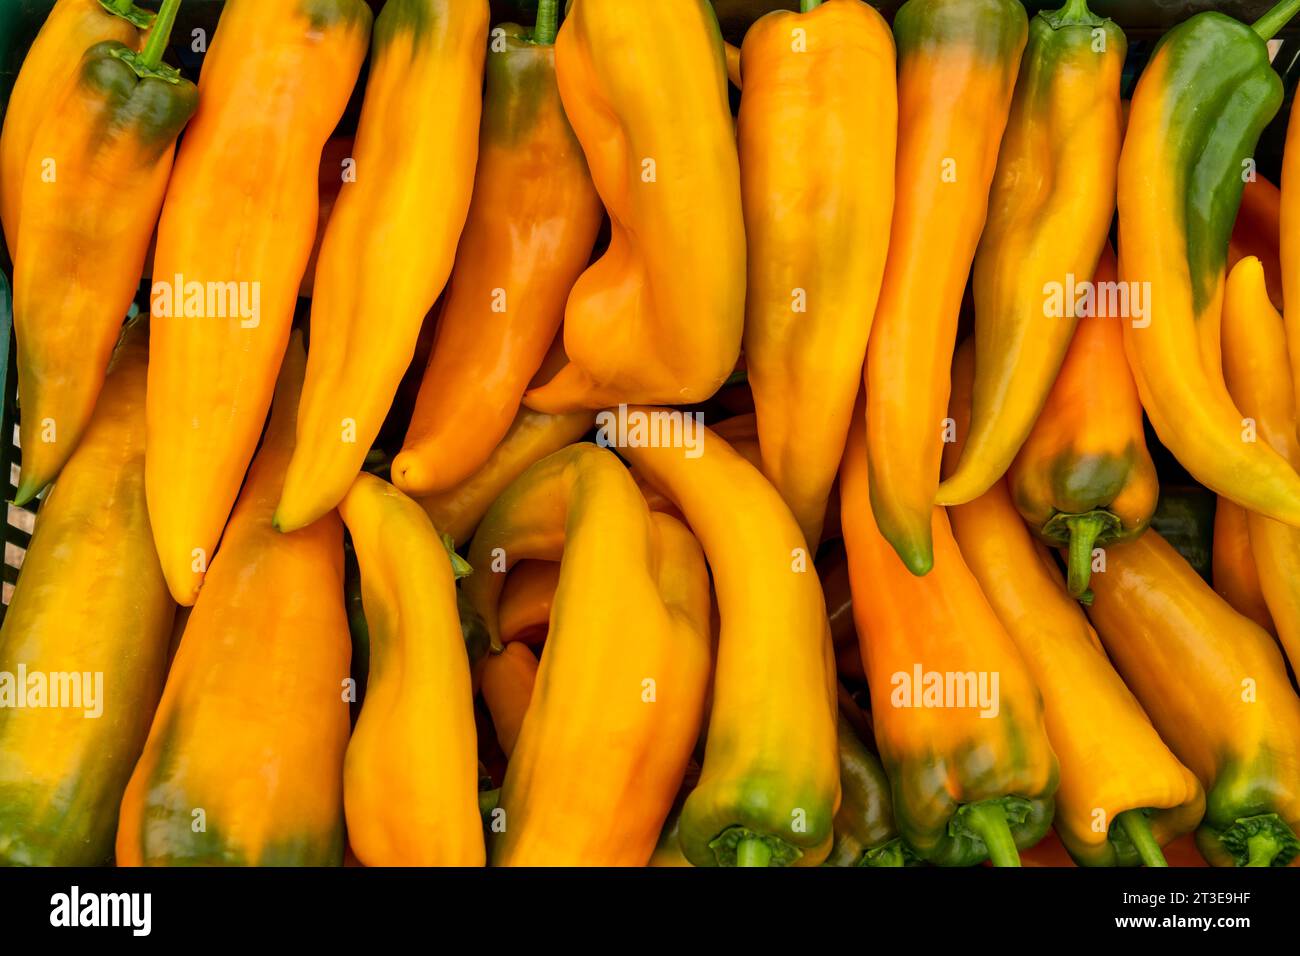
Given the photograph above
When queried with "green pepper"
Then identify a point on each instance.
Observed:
(865, 834)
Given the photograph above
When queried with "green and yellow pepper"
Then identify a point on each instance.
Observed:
(1196, 117)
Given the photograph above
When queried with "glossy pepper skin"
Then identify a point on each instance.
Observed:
(966, 786)
(410, 778)
(90, 599)
(1084, 476)
(1050, 208)
(1230, 716)
(957, 63)
(1257, 231)
(527, 599)
(611, 726)
(531, 228)
(391, 240)
(1233, 571)
(253, 721)
(84, 236)
(531, 437)
(817, 128)
(1288, 215)
(769, 789)
(1196, 117)
(49, 71)
(241, 208)
(1259, 380)
(865, 834)
(1120, 802)
(508, 681)
(658, 318)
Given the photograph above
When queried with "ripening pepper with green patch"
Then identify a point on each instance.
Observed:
(1216, 688)
(1196, 117)
(1051, 206)
(1084, 476)
(957, 66)
(973, 775)
(91, 193)
(91, 599)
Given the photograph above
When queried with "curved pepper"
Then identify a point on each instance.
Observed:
(1259, 380)
(85, 233)
(410, 779)
(865, 834)
(532, 436)
(1119, 802)
(1215, 686)
(1196, 117)
(1084, 476)
(1234, 573)
(236, 233)
(1257, 231)
(390, 243)
(526, 601)
(508, 681)
(770, 783)
(974, 779)
(1050, 209)
(609, 731)
(91, 600)
(957, 62)
(817, 131)
(244, 762)
(50, 69)
(532, 225)
(659, 317)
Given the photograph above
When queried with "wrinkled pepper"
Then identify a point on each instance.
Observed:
(1084, 476)
(49, 70)
(769, 787)
(94, 184)
(865, 834)
(390, 242)
(1257, 232)
(1050, 209)
(1196, 116)
(974, 777)
(1259, 380)
(817, 128)
(607, 736)
(526, 601)
(532, 225)
(658, 318)
(957, 64)
(1234, 574)
(508, 681)
(91, 600)
(410, 778)
(236, 232)
(1117, 804)
(244, 761)
(1229, 714)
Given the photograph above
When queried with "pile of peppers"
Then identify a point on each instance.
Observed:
(588, 442)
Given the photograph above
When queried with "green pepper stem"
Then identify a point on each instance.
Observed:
(159, 35)
(1262, 847)
(1084, 531)
(753, 852)
(989, 820)
(1138, 828)
(548, 20)
(807, 5)
(1268, 25)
